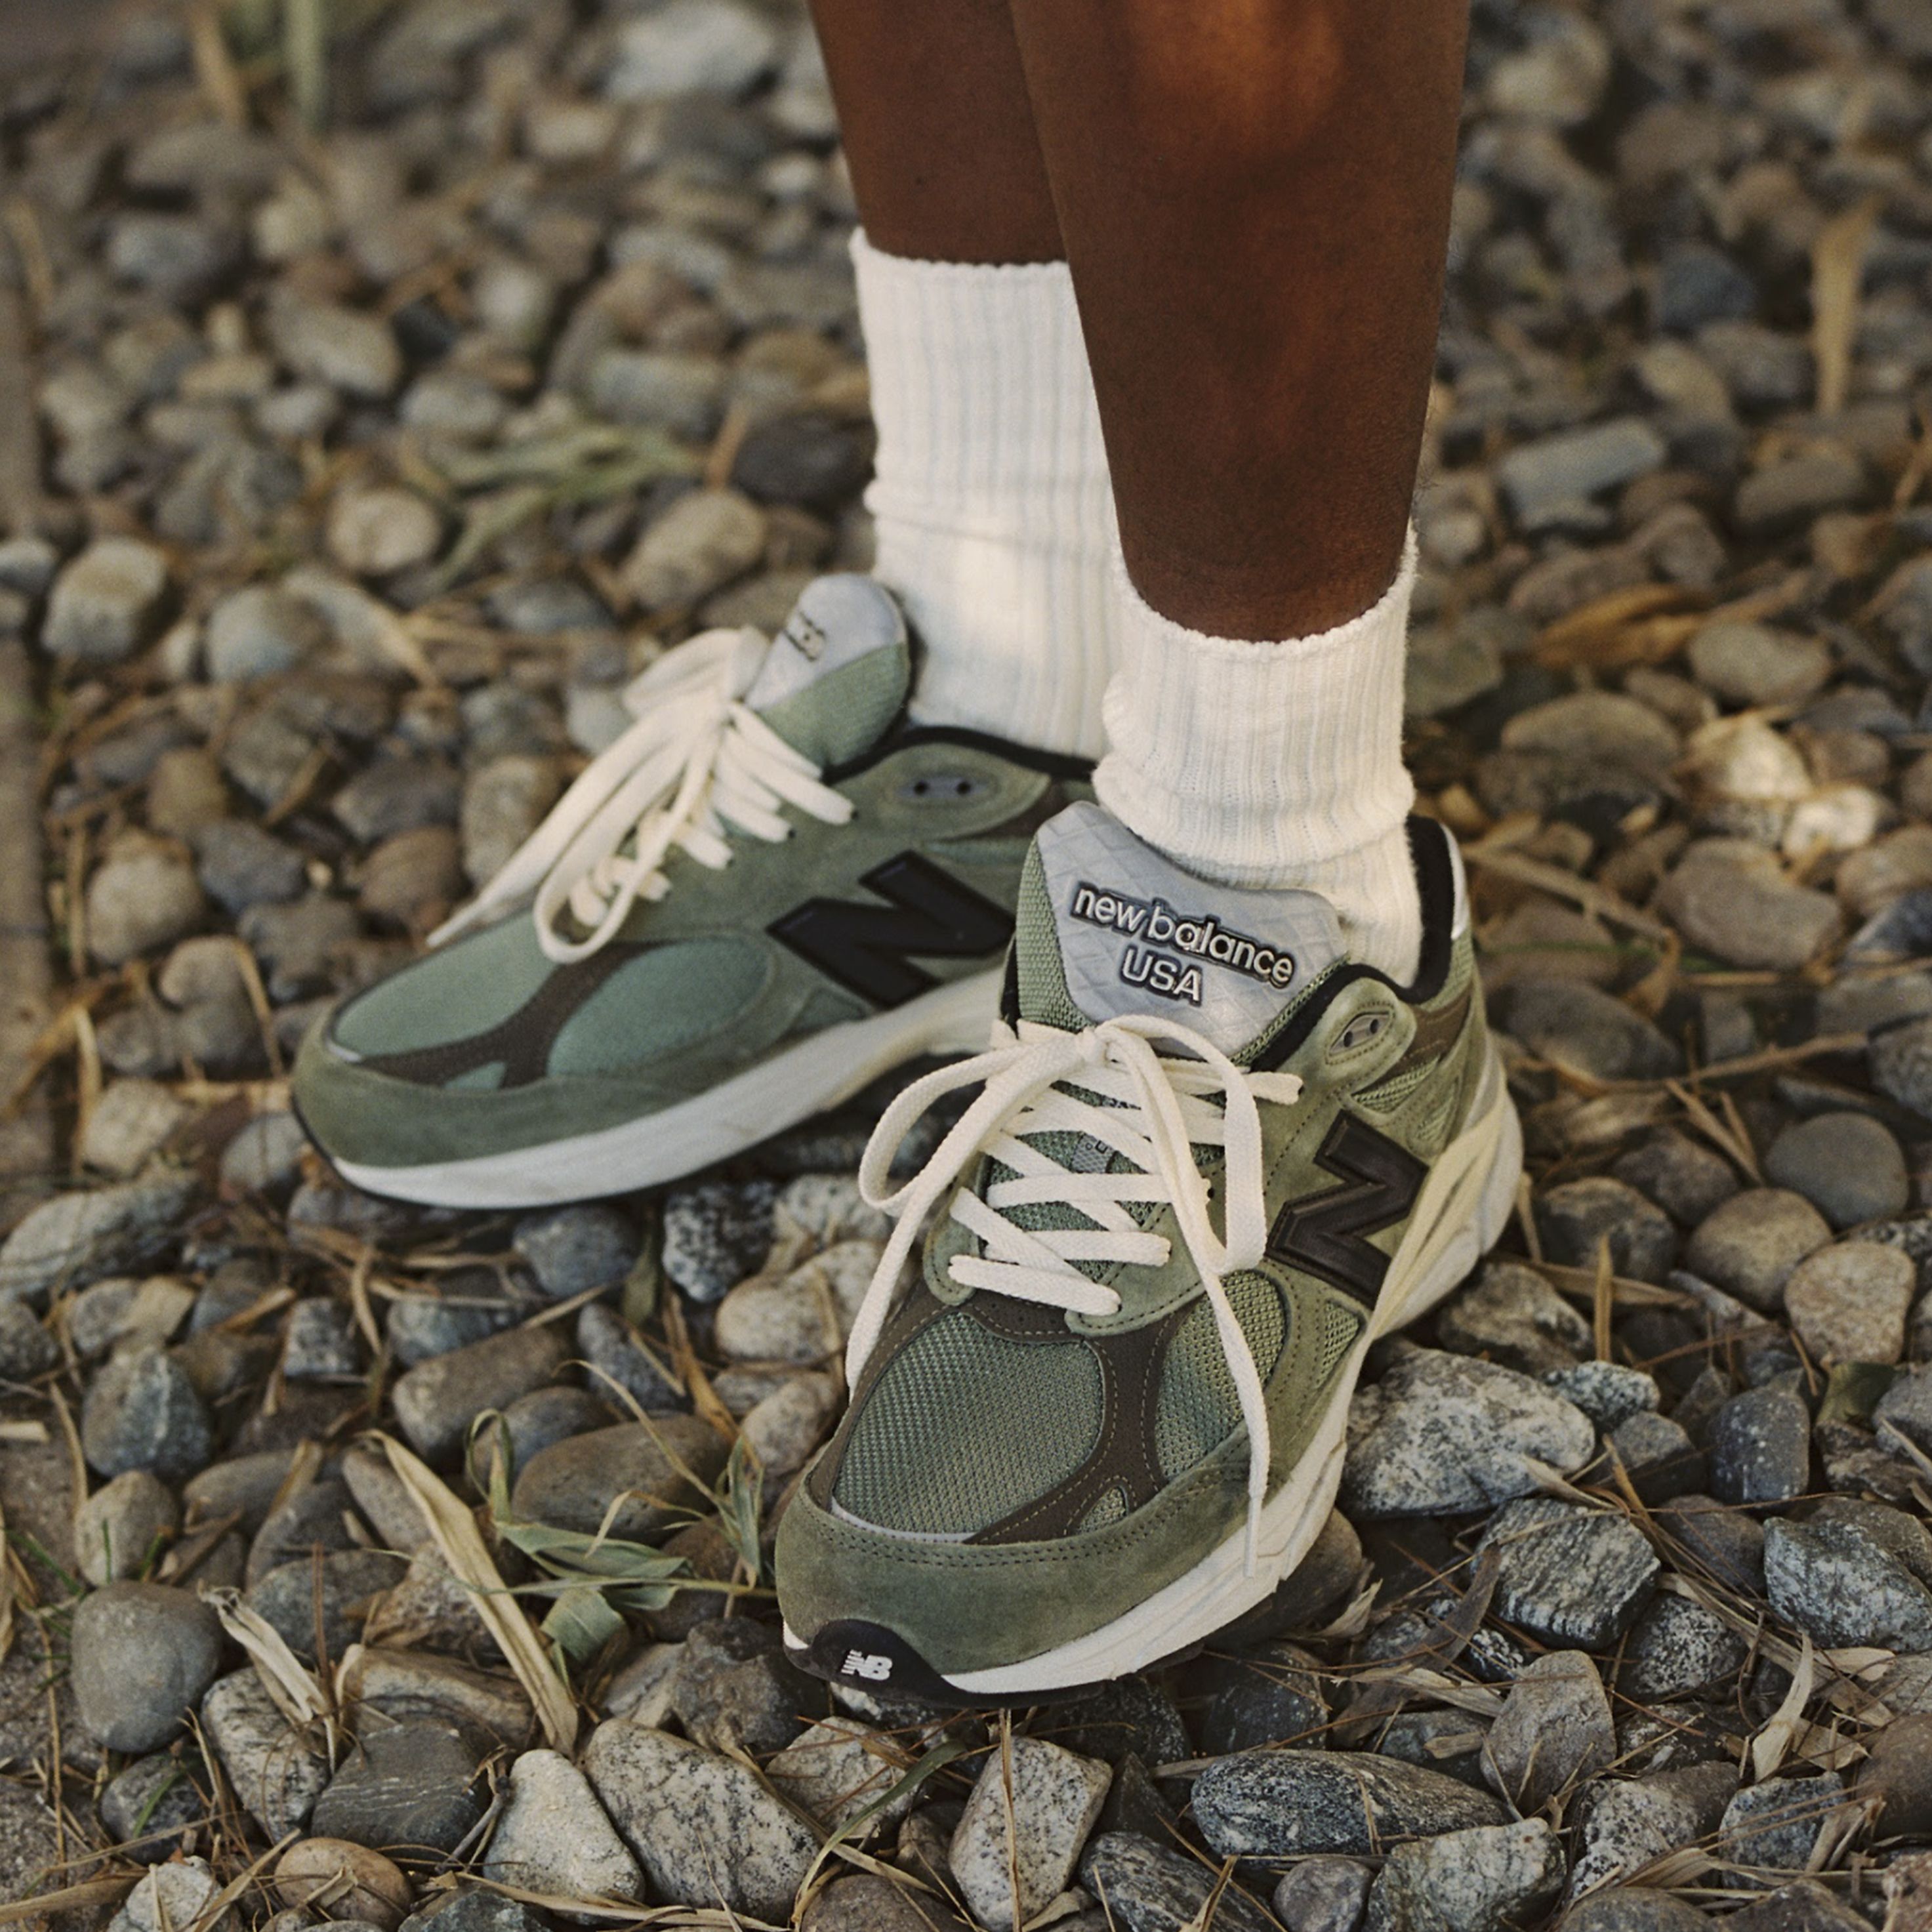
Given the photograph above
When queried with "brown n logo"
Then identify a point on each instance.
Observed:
(1326, 1233)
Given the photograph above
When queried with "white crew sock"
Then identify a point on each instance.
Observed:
(995, 518)
(1274, 764)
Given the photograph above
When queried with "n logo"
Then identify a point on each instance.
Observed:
(1326, 1234)
(869, 949)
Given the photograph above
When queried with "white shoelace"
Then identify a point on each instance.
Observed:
(696, 762)
(1160, 1110)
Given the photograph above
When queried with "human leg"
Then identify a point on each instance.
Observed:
(993, 512)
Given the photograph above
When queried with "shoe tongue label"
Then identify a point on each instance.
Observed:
(1139, 935)
(835, 676)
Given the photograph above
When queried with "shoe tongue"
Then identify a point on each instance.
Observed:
(1130, 932)
(837, 674)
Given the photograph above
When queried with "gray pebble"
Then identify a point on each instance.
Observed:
(1444, 1433)
(1323, 1894)
(437, 1399)
(278, 1773)
(573, 1483)
(618, 1359)
(1847, 1165)
(705, 1828)
(572, 1250)
(1282, 1804)
(1749, 1245)
(26, 1349)
(1145, 1887)
(116, 1529)
(1570, 1575)
(1553, 1732)
(1761, 1448)
(144, 895)
(716, 1234)
(1512, 1315)
(335, 1590)
(257, 631)
(103, 602)
(1839, 1584)
(1685, 1179)
(146, 1806)
(1575, 1216)
(239, 864)
(408, 1787)
(1015, 1848)
(141, 1412)
(1482, 1880)
(142, 1654)
(1776, 1822)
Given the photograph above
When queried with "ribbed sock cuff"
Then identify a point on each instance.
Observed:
(994, 512)
(1272, 763)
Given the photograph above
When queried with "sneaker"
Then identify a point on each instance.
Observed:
(767, 893)
(1212, 1160)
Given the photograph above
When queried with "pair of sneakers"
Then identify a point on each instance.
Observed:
(1209, 1160)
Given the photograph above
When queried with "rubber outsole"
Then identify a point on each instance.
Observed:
(818, 1073)
(1463, 1209)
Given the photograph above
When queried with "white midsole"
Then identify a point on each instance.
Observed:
(1464, 1207)
(793, 1085)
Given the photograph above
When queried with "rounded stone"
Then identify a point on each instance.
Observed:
(118, 1526)
(1901, 1064)
(377, 532)
(144, 895)
(1750, 1245)
(257, 631)
(1848, 1303)
(1753, 664)
(142, 1653)
(1574, 1217)
(141, 1412)
(409, 1787)
(1847, 1165)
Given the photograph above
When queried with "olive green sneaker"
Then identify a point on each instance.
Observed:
(767, 892)
(1212, 1160)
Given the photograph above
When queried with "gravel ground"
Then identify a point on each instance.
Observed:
(379, 453)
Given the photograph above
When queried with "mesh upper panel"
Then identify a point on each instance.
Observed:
(1110, 1508)
(1041, 978)
(1335, 1334)
(965, 1426)
(1198, 1408)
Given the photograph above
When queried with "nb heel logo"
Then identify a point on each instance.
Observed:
(874, 1669)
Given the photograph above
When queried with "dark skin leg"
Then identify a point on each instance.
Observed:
(1254, 199)
(938, 129)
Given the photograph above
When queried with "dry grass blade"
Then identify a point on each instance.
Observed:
(1608, 632)
(1560, 884)
(1603, 1296)
(1838, 268)
(1771, 1745)
(214, 67)
(462, 1546)
(93, 1892)
(297, 1694)
(305, 56)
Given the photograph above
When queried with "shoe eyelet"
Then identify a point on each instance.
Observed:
(1361, 1031)
(944, 788)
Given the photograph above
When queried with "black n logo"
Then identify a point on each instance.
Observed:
(868, 948)
(1326, 1233)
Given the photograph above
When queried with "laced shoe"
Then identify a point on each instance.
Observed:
(767, 892)
(1211, 1160)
